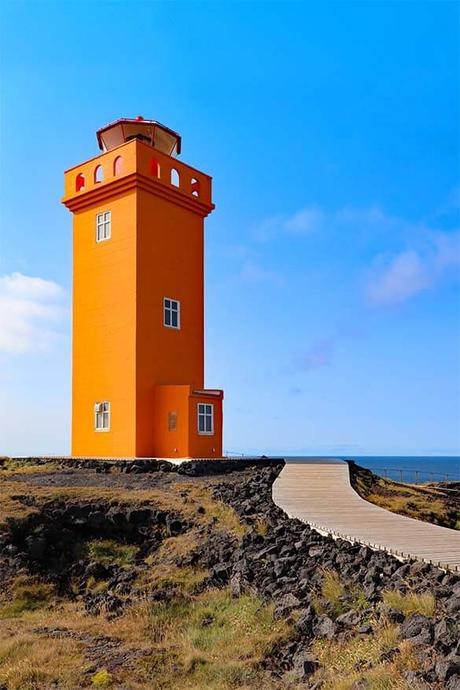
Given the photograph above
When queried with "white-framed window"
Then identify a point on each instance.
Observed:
(205, 419)
(171, 312)
(102, 416)
(103, 226)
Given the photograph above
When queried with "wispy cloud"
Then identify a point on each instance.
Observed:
(404, 277)
(414, 256)
(397, 278)
(313, 218)
(31, 310)
(253, 272)
(302, 222)
(317, 356)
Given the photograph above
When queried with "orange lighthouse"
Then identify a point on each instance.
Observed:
(138, 303)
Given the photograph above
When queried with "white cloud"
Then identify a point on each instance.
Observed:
(412, 271)
(367, 222)
(31, 312)
(415, 256)
(405, 276)
(305, 221)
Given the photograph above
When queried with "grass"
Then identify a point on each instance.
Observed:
(108, 551)
(26, 663)
(27, 596)
(212, 641)
(425, 603)
(429, 502)
(335, 599)
(199, 639)
(261, 526)
(186, 501)
(13, 467)
(12, 506)
(168, 575)
(347, 663)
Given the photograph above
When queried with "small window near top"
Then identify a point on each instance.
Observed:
(205, 419)
(102, 416)
(171, 313)
(103, 226)
(172, 421)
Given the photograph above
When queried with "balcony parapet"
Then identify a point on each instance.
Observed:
(136, 164)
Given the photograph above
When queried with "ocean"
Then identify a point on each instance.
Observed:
(411, 469)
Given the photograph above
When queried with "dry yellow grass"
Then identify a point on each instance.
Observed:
(422, 502)
(178, 651)
(187, 505)
(26, 663)
(16, 467)
(345, 664)
(425, 603)
(336, 598)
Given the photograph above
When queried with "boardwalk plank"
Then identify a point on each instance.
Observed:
(319, 492)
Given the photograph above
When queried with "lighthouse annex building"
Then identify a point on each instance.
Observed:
(138, 299)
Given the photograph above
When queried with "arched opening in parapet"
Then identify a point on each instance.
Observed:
(79, 182)
(118, 166)
(175, 180)
(99, 174)
(154, 168)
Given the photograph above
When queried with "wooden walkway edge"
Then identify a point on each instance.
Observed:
(319, 493)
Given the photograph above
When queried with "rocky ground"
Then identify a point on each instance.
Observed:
(139, 576)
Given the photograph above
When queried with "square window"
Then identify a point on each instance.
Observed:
(102, 416)
(103, 226)
(205, 419)
(171, 313)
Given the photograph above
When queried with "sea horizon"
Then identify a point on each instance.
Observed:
(414, 468)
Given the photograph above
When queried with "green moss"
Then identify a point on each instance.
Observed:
(101, 679)
(27, 597)
(108, 552)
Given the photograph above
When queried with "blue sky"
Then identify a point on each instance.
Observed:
(331, 132)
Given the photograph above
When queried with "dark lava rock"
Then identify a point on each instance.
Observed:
(304, 664)
(174, 526)
(350, 618)
(36, 547)
(304, 623)
(453, 605)
(453, 683)
(447, 667)
(286, 604)
(324, 627)
(417, 629)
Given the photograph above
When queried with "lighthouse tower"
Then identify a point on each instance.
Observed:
(138, 305)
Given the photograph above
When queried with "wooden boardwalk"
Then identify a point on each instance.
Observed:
(319, 492)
